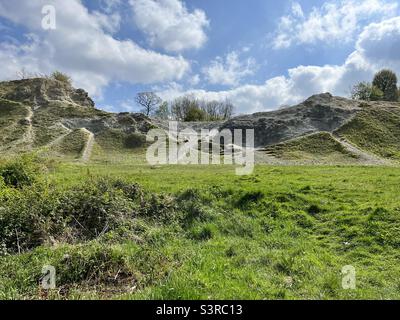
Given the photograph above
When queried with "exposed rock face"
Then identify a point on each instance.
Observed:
(46, 113)
(51, 115)
(125, 122)
(321, 112)
(41, 91)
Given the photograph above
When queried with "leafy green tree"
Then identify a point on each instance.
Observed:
(366, 91)
(386, 81)
(195, 114)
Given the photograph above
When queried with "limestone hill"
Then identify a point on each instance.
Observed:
(53, 117)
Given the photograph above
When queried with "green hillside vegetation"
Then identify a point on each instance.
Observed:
(318, 146)
(72, 144)
(11, 116)
(86, 202)
(114, 139)
(139, 232)
(376, 130)
(45, 118)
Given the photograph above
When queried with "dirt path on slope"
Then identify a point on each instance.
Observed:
(87, 151)
(363, 155)
(60, 138)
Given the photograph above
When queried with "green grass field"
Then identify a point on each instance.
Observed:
(281, 233)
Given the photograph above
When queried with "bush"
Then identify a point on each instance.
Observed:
(43, 214)
(194, 114)
(25, 218)
(366, 91)
(93, 208)
(59, 76)
(135, 140)
(20, 172)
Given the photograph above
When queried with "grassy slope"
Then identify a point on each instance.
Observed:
(280, 233)
(319, 146)
(46, 117)
(376, 131)
(10, 115)
(72, 144)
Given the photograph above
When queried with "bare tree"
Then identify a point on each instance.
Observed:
(149, 101)
(188, 107)
(226, 110)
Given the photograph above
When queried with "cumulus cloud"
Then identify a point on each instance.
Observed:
(333, 22)
(229, 71)
(381, 42)
(83, 46)
(169, 25)
(377, 47)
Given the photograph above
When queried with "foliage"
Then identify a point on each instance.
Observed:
(135, 140)
(386, 81)
(320, 146)
(188, 108)
(376, 131)
(366, 91)
(20, 172)
(194, 114)
(163, 111)
(282, 233)
(62, 77)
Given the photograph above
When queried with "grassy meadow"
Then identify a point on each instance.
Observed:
(126, 230)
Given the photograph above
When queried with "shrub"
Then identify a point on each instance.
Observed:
(20, 172)
(93, 208)
(366, 91)
(135, 140)
(25, 218)
(159, 207)
(40, 214)
(62, 77)
(43, 214)
(195, 114)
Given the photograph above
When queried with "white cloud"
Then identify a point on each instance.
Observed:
(169, 25)
(381, 42)
(297, 10)
(195, 80)
(110, 22)
(377, 47)
(229, 71)
(109, 5)
(81, 46)
(333, 22)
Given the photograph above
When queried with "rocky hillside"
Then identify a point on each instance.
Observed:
(52, 116)
(326, 129)
(48, 115)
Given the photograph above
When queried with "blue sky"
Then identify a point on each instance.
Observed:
(259, 54)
